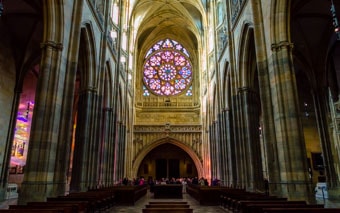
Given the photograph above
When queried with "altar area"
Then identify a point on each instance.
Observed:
(168, 191)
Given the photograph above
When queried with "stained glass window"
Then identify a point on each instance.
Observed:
(167, 69)
(146, 91)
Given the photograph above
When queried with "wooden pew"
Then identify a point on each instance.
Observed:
(301, 210)
(103, 199)
(242, 205)
(30, 211)
(235, 201)
(258, 208)
(128, 195)
(23, 208)
(78, 206)
(91, 204)
(209, 195)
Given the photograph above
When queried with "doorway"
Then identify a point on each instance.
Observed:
(167, 161)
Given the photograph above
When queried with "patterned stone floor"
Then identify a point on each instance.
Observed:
(137, 208)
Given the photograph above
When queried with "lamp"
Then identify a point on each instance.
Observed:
(335, 21)
(1, 8)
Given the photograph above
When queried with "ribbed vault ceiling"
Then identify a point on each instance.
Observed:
(177, 19)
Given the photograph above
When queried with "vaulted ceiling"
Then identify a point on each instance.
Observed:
(181, 20)
(313, 37)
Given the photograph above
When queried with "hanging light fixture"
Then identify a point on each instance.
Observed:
(1, 8)
(335, 21)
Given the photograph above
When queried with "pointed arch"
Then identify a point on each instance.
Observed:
(88, 53)
(225, 86)
(246, 71)
(139, 158)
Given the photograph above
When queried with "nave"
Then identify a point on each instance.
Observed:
(149, 197)
(140, 204)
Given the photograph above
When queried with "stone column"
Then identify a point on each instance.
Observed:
(241, 130)
(117, 151)
(224, 161)
(105, 149)
(122, 150)
(253, 165)
(111, 149)
(7, 151)
(38, 180)
(320, 103)
(293, 177)
(218, 158)
(212, 149)
(84, 167)
(230, 149)
(235, 146)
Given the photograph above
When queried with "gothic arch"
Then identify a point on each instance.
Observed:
(54, 18)
(226, 86)
(279, 21)
(107, 85)
(139, 158)
(214, 109)
(120, 102)
(246, 74)
(87, 40)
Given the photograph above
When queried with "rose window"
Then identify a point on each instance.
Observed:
(167, 69)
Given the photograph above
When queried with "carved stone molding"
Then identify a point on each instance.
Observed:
(162, 128)
(236, 7)
(190, 135)
(281, 45)
(51, 44)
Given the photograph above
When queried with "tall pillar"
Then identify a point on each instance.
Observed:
(224, 165)
(219, 157)
(252, 155)
(84, 167)
(293, 178)
(123, 153)
(230, 149)
(117, 151)
(41, 162)
(241, 129)
(320, 99)
(236, 147)
(7, 151)
(105, 149)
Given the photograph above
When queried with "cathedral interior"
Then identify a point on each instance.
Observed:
(92, 91)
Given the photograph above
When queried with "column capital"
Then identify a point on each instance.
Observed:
(108, 109)
(89, 90)
(51, 44)
(282, 44)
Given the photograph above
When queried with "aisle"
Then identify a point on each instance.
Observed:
(137, 208)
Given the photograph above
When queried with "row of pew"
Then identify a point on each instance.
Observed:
(167, 207)
(91, 201)
(241, 201)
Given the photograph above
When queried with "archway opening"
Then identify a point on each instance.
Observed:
(23, 126)
(167, 161)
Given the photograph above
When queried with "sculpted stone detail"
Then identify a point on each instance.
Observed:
(190, 135)
(236, 7)
(51, 44)
(281, 45)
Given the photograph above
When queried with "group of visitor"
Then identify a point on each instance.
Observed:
(185, 180)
